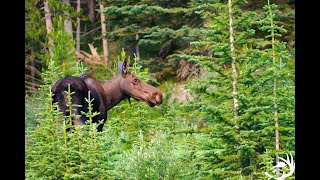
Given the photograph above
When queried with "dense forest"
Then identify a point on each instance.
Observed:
(226, 69)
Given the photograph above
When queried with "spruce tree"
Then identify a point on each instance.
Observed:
(155, 31)
(279, 83)
(237, 143)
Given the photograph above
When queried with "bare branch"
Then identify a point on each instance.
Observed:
(31, 68)
(33, 84)
(91, 31)
(30, 77)
(94, 58)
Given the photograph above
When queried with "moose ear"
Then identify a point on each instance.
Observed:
(125, 66)
(120, 64)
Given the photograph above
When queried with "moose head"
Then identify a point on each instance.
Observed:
(134, 87)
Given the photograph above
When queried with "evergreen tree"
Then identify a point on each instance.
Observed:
(225, 154)
(278, 85)
(35, 33)
(234, 145)
(154, 31)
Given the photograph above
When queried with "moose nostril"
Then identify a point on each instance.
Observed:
(159, 98)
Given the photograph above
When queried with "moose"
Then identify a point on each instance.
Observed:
(105, 94)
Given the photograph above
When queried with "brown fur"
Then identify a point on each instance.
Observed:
(106, 94)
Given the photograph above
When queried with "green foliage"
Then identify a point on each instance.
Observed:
(57, 149)
(82, 152)
(37, 38)
(163, 28)
(35, 30)
(235, 145)
(195, 139)
(31, 109)
(161, 158)
(63, 49)
(226, 156)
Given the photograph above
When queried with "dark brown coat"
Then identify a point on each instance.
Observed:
(106, 94)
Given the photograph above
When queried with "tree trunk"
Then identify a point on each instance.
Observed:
(137, 49)
(234, 73)
(103, 32)
(33, 82)
(91, 10)
(233, 63)
(48, 25)
(275, 105)
(68, 22)
(78, 29)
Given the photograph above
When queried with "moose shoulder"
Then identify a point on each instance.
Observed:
(106, 94)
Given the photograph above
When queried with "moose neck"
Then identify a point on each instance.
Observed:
(113, 92)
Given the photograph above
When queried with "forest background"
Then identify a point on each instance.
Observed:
(226, 69)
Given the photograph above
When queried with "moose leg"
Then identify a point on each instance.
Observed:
(99, 129)
(78, 118)
(101, 117)
(100, 126)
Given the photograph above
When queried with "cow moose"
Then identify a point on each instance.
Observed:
(106, 94)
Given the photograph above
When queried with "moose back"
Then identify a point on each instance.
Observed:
(106, 94)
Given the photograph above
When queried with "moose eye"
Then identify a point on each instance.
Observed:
(135, 81)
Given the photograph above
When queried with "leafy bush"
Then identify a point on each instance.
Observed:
(160, 158)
